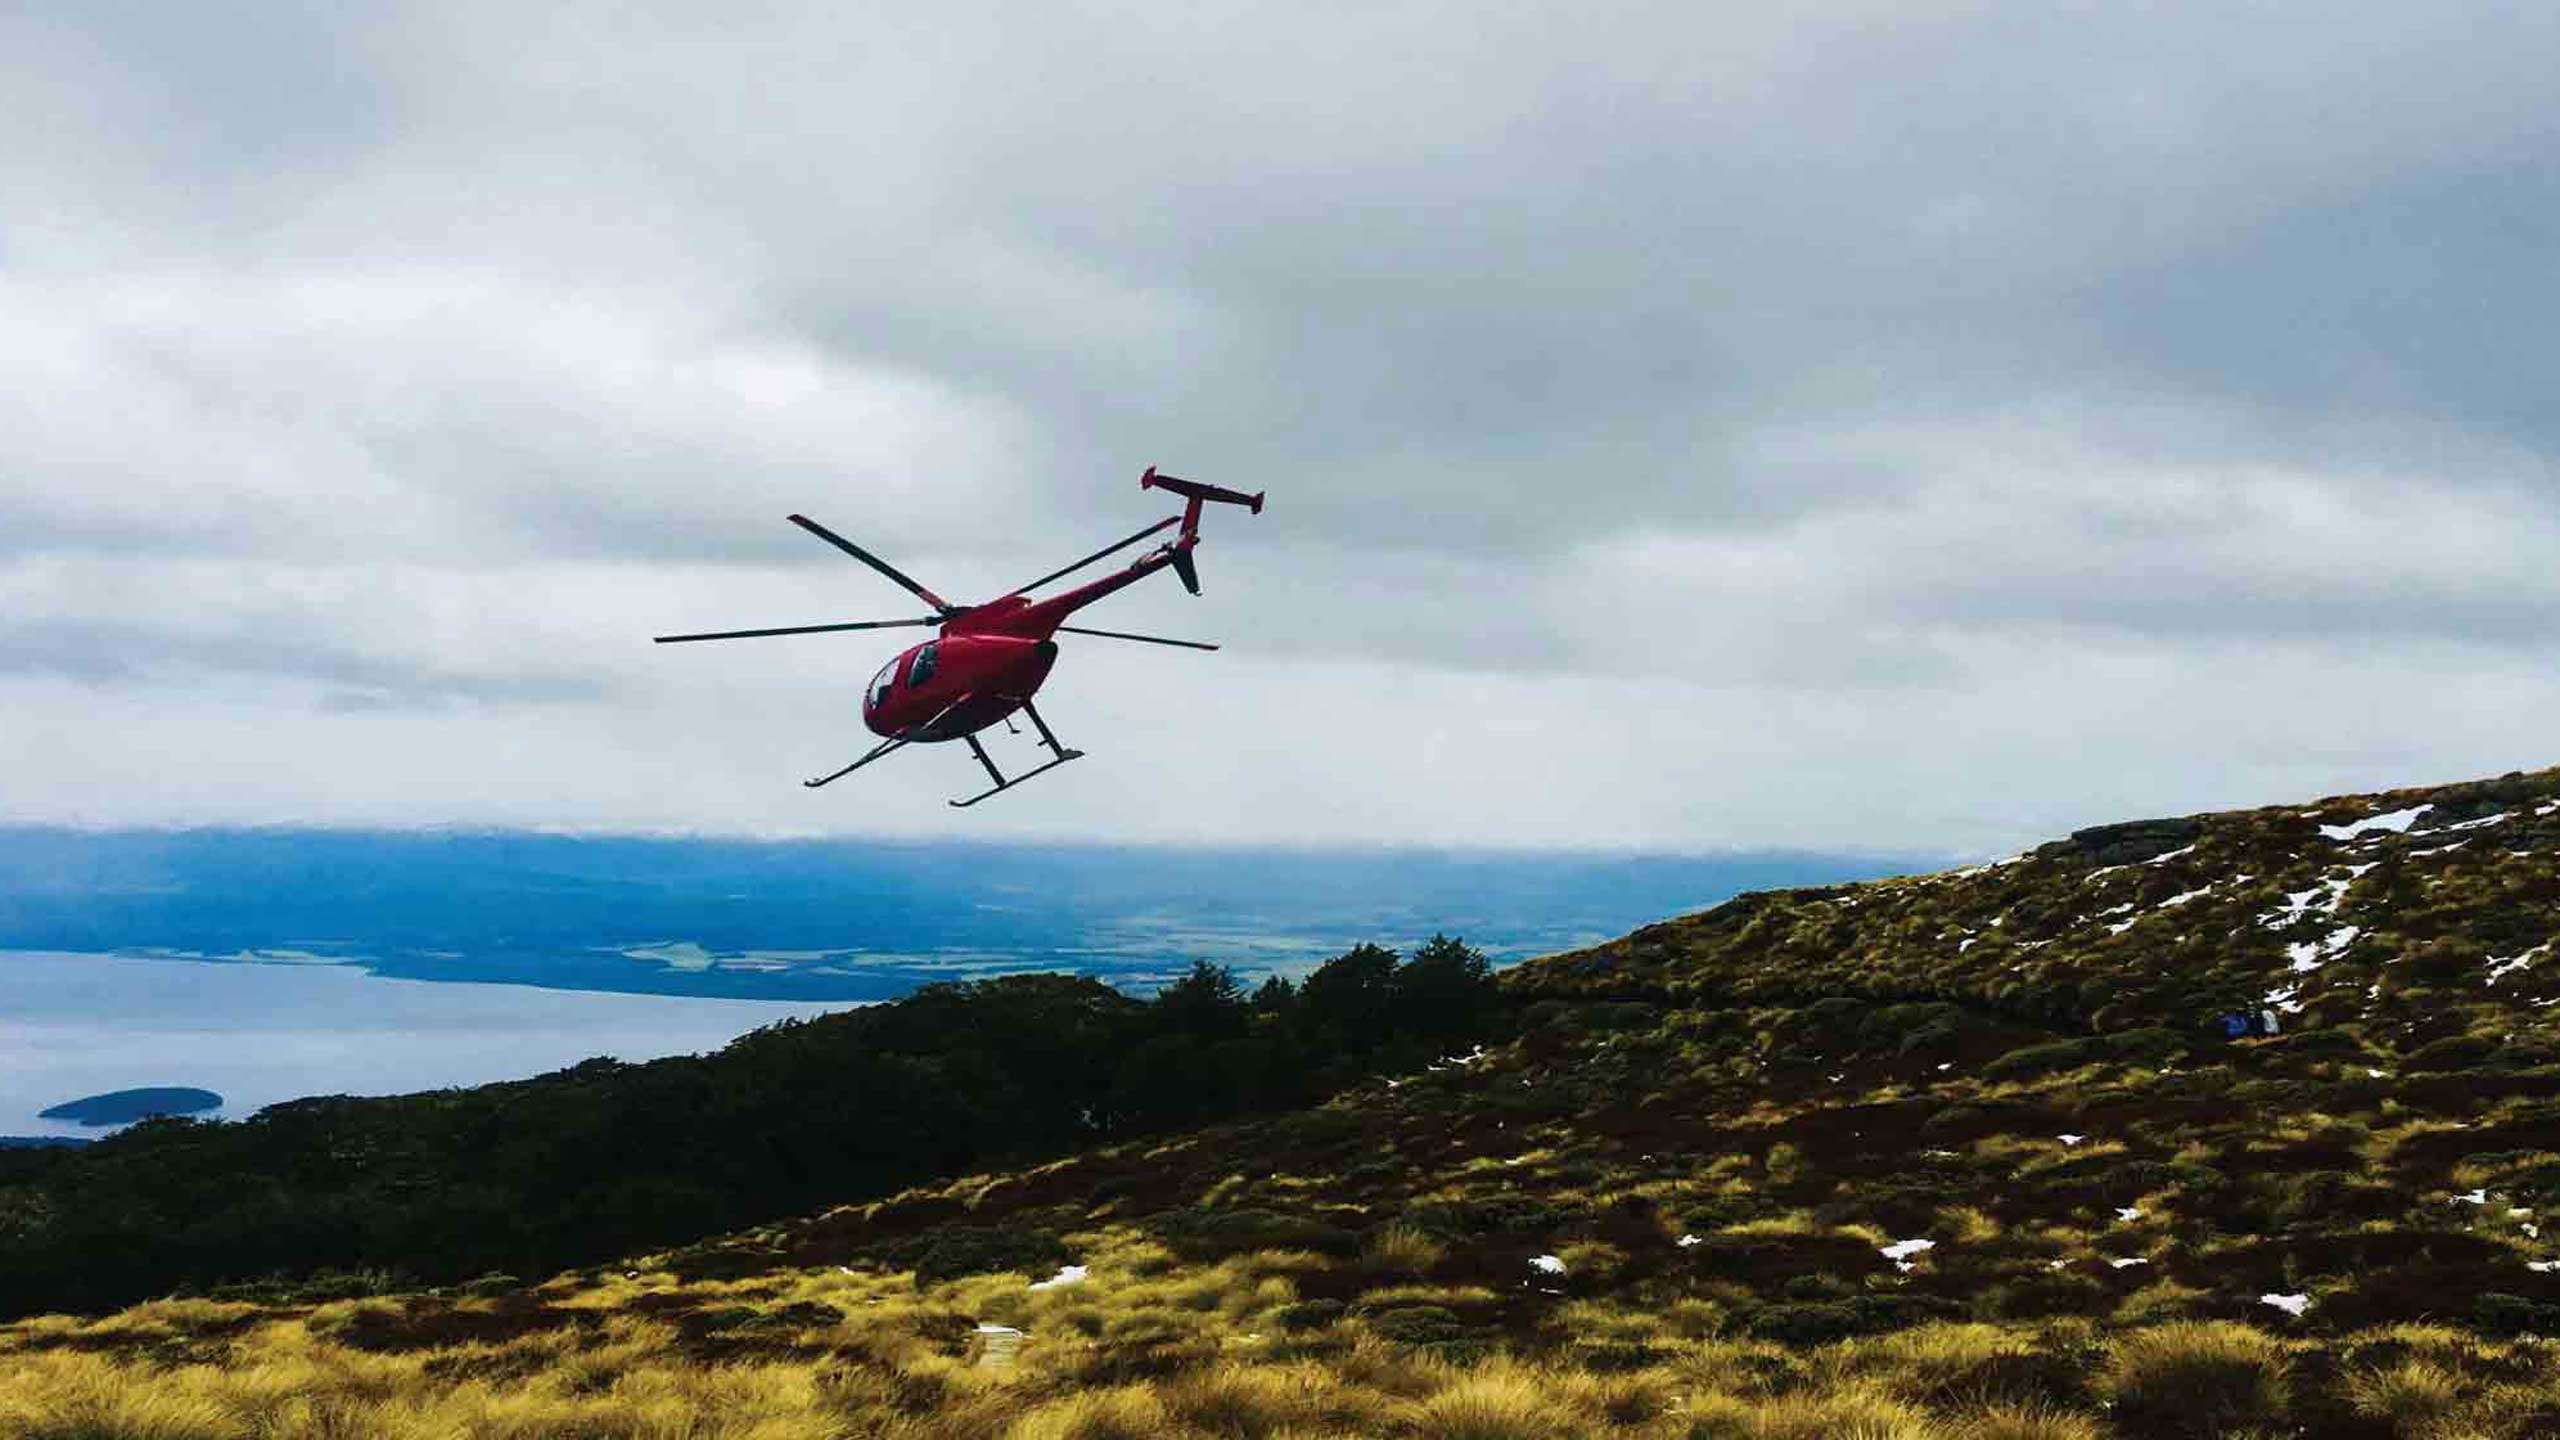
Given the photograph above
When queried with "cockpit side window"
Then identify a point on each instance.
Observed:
(921, 668)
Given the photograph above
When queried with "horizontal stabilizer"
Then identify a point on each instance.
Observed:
(1199, 491)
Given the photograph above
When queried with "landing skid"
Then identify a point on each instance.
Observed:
(894, 742)
(1002, 784)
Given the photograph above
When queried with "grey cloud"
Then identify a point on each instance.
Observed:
(1609, 276)
(2413, 296)
(1620, 248)
(111, 654)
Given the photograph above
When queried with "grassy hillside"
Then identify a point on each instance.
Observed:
(1960, 1155)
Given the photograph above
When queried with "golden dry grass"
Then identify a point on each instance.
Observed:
(2200, 1378)
(1161, 1363)
(1401, 1249)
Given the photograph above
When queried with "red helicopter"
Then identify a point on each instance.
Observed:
(990, 658)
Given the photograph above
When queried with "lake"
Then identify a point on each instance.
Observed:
(274, 963)
(75, 1025)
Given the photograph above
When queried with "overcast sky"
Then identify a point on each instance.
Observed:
(1850, 425)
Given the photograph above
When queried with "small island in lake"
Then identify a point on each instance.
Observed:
(119, 1107)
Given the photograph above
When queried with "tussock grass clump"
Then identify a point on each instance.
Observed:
(1955, 1363)
(1845, 1415)
(1401, 1248)
(2026, 1423)
(1495, 1403)
(2413, 1397)
(1254, 1401)
(1128, 1412)
(1623, 1400)
(2196, 1378)
(1390, 1369)
(1745, 1368)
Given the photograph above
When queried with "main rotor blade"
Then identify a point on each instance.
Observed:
(1150, 639)
(874, 561)
(799, 630)
(1096, 555)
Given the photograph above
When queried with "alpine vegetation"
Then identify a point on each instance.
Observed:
(2233, 1124)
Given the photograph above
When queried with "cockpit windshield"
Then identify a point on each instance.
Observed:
(880, 683)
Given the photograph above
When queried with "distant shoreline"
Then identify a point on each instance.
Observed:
(817, 920)
(254, 1035)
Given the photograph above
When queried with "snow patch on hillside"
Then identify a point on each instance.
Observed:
(2397, 822)
(2309, 957)
(2500, 968)
(2323, 897)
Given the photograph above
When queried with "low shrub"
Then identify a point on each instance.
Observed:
(1217, 1234)
(2151, 1045)
(1817, 1322)
(1308, 1314)
(948, 1252)
(2498, 1313)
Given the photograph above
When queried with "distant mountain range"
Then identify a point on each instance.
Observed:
(818, 919)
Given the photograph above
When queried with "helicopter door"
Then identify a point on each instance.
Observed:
(922, 667)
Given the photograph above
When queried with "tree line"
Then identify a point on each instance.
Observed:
(605, 1158)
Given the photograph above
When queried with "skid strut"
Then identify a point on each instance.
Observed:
(883, 748)
(898, 741)
(1002, 784)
